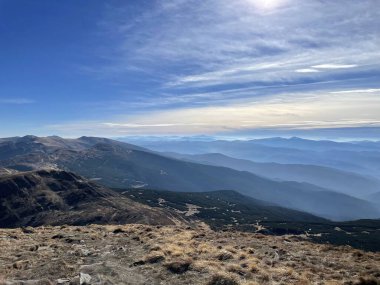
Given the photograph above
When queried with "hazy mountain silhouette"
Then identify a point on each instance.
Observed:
(353, 157)
(341, 181)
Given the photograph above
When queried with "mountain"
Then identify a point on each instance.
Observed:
(343, 156)
(345, 182)
(23, 146)
(119, 165)
(6, 171)
(317, 145)
(50, 197)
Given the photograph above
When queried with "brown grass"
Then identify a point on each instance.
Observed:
(176, 255)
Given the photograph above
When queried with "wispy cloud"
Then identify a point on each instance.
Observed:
(307, 70)
(334, 66)
(220, 43)
(287, 111)
(322, 67)
(128, 125)
(375, 90)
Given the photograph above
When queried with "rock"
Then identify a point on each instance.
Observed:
(34, 247)
(84, 279)
(138, 263)
(63, 281)
(21, 265)
(27, 230)
(74, 281)
(85, 252)
(58, 236)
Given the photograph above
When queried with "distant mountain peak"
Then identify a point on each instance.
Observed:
(29, 137)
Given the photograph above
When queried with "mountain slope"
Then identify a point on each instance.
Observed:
(232, 210)
(218, 208)
(58, 197)
(341, 181)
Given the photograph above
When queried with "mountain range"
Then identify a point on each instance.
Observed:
(359, 157)
(120, 165)
(346, 182)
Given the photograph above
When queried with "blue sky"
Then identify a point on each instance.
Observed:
(176, 67)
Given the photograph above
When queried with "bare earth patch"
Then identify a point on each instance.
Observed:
(139, 254)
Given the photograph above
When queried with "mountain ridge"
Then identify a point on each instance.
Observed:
(54, 197)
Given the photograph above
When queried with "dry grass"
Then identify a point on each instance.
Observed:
(223, 279)
(175, 255)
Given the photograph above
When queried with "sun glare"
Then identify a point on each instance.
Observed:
(267, 5)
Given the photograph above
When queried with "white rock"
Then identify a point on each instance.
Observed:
(84, 279)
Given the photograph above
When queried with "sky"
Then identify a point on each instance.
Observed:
(185, 67)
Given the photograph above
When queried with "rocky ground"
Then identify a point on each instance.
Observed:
(140, 254)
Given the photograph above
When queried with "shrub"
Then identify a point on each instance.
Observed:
(368, 281)
(179, 266)
(224, 256)
(220, 279)
(154, 257)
